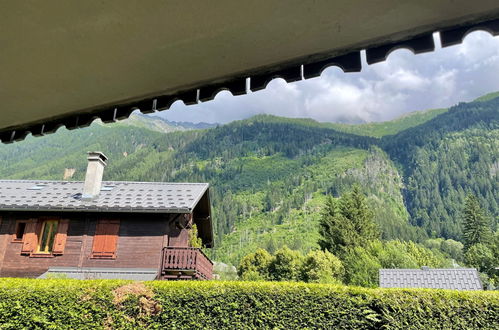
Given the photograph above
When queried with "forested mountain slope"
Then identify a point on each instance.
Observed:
(270, 175)
(444, 159)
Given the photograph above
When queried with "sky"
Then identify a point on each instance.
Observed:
(403, 83)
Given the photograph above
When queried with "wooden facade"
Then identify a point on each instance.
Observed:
(31, 242)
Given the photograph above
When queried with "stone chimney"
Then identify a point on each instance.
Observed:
(93, 178)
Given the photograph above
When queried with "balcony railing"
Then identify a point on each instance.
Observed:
(185, 263)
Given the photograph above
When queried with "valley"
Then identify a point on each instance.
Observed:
(270, 176)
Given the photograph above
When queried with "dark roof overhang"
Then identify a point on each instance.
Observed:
(68, 64)
(203, 220)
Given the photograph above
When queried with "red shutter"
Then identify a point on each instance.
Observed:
(30, 240)
(60, 237)
(99, 238)
(111, 238)
(106, 239)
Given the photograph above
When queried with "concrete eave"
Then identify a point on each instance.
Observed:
(65, 64)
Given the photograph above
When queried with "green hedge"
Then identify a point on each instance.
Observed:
(94, 304)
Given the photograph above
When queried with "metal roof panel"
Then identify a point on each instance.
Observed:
(451, 278)
(136, 274)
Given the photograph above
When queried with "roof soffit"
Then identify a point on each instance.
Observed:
(67, 64)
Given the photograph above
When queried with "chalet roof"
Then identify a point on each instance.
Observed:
(135, 274)
(67, 64)
(451, 278)
(115, 196)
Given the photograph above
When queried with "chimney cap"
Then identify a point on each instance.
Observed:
(97, 155)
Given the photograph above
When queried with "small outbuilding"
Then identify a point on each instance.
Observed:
(110, 229)
(442, 278)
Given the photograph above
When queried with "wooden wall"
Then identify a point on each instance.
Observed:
(140, 242)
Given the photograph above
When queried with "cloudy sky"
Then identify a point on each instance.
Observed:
(383, 91)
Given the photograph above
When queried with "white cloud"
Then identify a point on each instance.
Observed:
(404, 82)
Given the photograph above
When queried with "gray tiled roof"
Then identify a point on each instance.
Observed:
(136, 274)
(452, 278)
(17, 195)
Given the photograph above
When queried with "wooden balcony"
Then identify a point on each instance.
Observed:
(183, 263)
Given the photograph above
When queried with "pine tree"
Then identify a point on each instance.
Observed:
(330, 227)
(354, 207)
(476, 227)
(347, 223)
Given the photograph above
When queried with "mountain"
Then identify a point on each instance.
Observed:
(446, 158)
(160, 124)
(487, 97)
(270, 175)
(152, 123)
(391, 127)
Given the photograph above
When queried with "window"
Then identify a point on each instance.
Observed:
(43, 237)
(105, 239)
(47, 236)
(19, 232)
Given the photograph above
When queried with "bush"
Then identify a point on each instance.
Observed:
(285, 265)
(321, 267)
(362, 263)
(397, 254)
(480, 257)
(361, 268)
(453, 249)
(98, 304)
(290, 265)
(254, 264)
(31, 304)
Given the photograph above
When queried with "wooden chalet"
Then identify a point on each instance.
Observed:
(95, 229)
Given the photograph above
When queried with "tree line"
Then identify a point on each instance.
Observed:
(352, 252)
